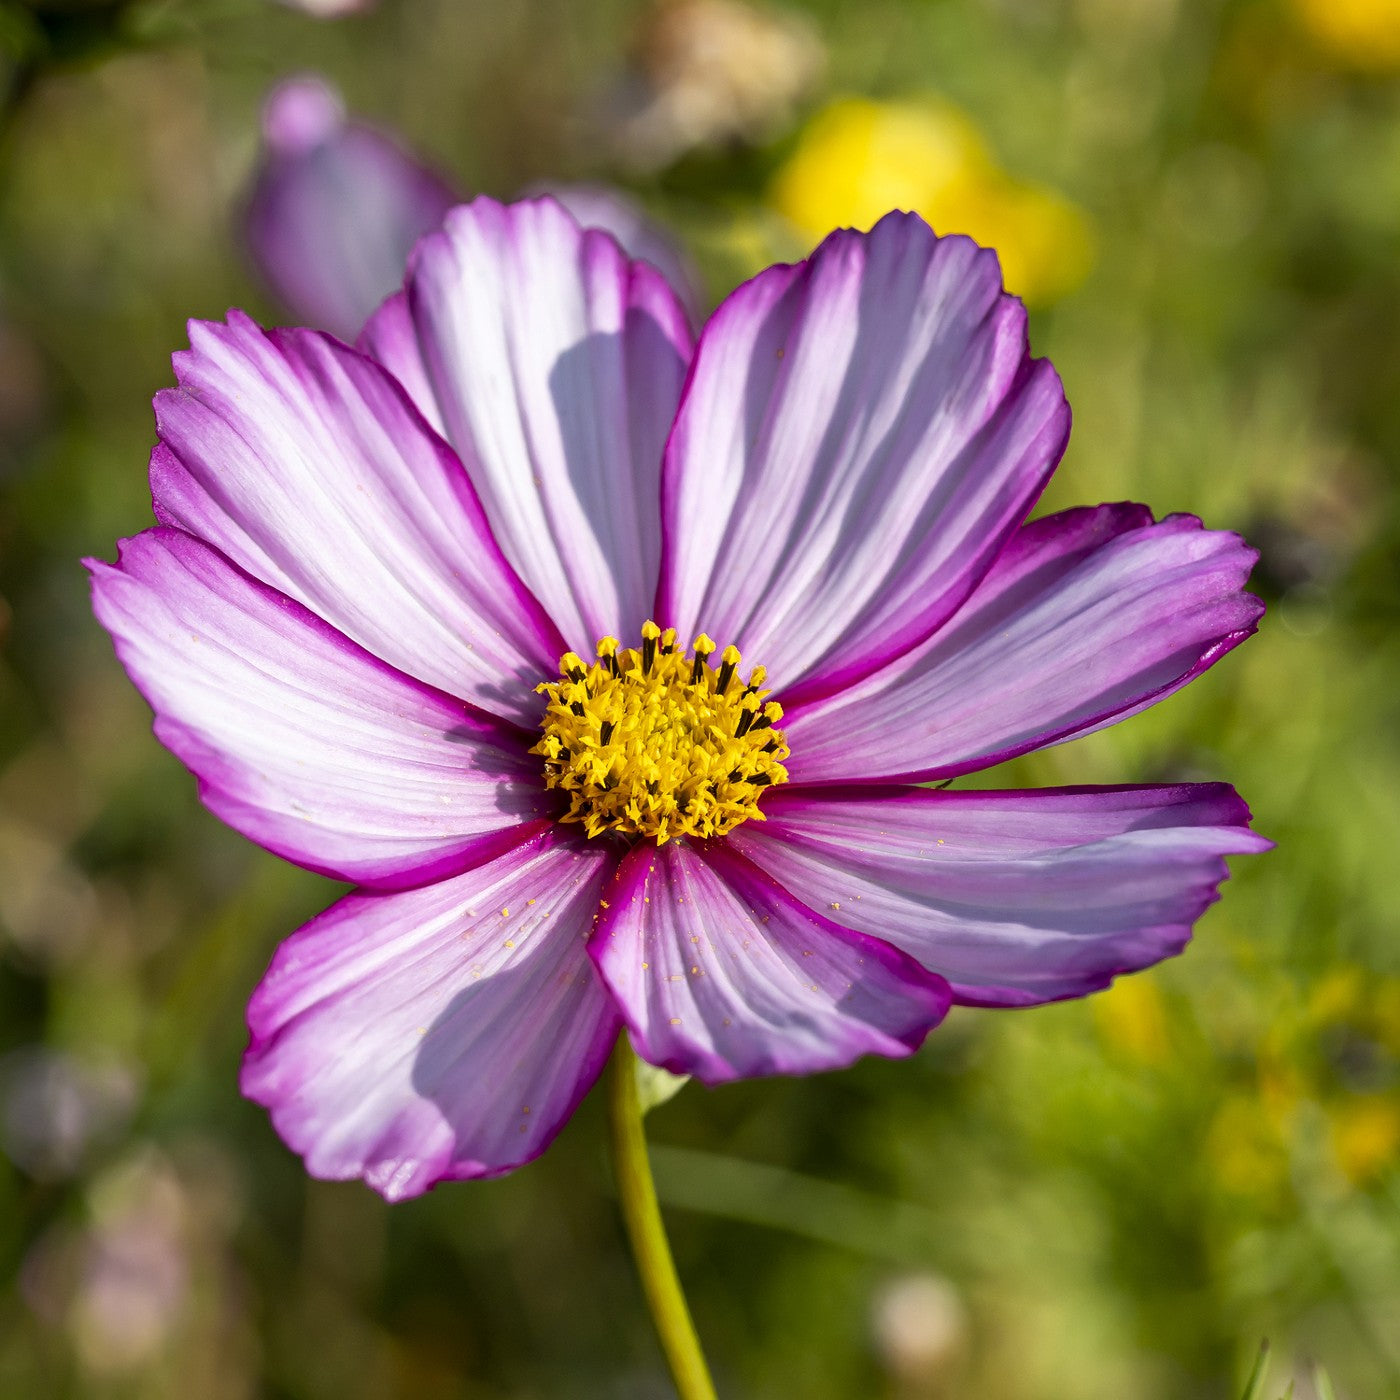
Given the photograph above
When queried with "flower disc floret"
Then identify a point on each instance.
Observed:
(649, 741)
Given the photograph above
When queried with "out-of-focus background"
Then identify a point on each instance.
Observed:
(1113, 1198)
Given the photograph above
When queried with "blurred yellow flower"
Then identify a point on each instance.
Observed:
(1362, 34)
(1132, 1019)
(1337, 994)
(1385, 1013)
(1247, 1148)
(858, 159)
(1366, 1135)
(1361, 999)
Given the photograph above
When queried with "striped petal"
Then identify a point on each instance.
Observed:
(300, 739)
(553, 364)
(860, 435)
(305, 463)
(1088, 617)
(720, 973)
(1015, 897)
(441, 1033)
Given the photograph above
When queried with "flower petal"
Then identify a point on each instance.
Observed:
(556, 366)
(1015, 897)
(304, 462)
(440, 1033)
(301, 740)
(1087, 617)
(391, 338)
(335, 208)
(859, 435)
(722, 974)
(640, 236)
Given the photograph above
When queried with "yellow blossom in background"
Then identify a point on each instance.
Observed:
(1366, 1135)
(1247, 1148)
(1362, 34)
(1359, 998)
(857, 159)
(1385, 1013)
(1353, 1002)
(1337, 994)
(1132, 1019)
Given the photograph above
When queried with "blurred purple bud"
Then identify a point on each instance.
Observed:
(300, 115)
(336, 208)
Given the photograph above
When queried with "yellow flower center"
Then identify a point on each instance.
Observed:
(651, 742)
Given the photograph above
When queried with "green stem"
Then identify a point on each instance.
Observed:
(637, 1193)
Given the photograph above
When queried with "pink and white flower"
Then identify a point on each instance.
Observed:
(350, 620)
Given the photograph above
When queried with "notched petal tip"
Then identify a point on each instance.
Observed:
(720, 974)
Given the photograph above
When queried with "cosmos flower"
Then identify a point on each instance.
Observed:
(606, 665)
(337, 205)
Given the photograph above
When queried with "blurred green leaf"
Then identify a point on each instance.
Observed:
(21, 35)
(1254, 1386)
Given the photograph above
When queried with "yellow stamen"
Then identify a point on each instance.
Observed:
(651, 742)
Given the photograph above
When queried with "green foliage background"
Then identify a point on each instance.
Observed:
(1117, 1197)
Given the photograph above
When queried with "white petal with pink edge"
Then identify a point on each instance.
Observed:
(306, 464)
(437, 1034)
(1015, 897)
(1088, 617)
(555, 364)
(720, 973)
(389, 336)
(300, 739)
(859, 435)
